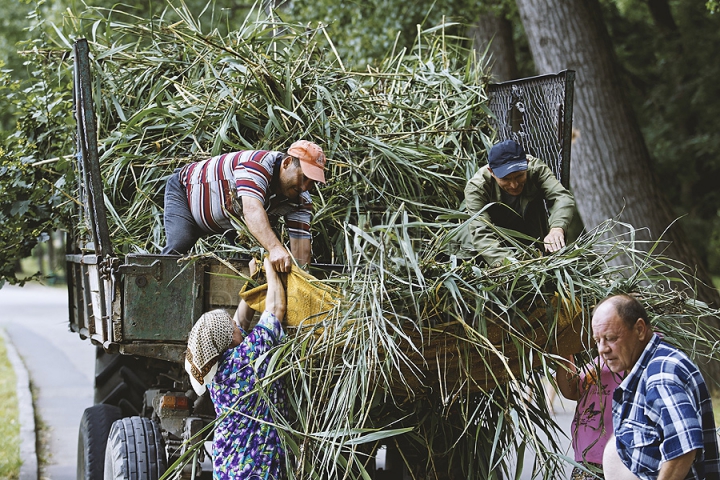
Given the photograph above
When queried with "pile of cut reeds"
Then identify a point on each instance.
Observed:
(427, 354)
(407, 132)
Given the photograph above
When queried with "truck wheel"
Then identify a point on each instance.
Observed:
(135, 450)
(95, 426)
(119, 381)
(122, 380)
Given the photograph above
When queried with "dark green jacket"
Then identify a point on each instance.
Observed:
(541, 184)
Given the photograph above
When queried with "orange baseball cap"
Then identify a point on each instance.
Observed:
(312, 159)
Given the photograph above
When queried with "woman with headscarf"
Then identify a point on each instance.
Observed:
(221, 357)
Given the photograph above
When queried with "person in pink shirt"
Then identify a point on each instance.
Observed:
(592, 425)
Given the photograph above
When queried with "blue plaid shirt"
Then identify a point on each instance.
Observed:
(662, 410)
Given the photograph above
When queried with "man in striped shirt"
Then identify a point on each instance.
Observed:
(253, 186)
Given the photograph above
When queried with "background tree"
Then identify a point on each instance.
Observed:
(366, 32)
(611, 167)
(666, 53)
(494, 31)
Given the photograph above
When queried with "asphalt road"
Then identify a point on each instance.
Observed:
(60, 365)
(564, 412)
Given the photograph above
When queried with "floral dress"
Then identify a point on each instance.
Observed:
(246, 445)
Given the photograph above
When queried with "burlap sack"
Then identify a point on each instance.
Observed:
(308, 300)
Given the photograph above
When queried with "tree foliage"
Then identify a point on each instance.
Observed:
(32, 190)
(667, 50)
(365, 31)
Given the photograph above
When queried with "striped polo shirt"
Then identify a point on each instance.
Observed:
(209, 184)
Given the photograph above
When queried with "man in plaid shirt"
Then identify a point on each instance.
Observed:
(662, 412)
(255, 186)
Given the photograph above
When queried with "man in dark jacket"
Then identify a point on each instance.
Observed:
(511, 192)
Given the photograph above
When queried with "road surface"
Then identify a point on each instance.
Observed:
(60, 365)
(564, 412)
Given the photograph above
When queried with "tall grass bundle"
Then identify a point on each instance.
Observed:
(427, 354)
(409, 131)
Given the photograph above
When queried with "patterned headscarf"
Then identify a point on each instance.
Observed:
(211, 335)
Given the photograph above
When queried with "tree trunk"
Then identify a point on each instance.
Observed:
(611, 174)
(496, 31)
(662, 16)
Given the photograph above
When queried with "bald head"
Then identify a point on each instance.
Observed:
(627, 307)
(621, 331)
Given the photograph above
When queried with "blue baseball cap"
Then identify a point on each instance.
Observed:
(507, 157)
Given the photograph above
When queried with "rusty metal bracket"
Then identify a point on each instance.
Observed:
(140, 271)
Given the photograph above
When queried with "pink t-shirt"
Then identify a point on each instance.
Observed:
(592, 425)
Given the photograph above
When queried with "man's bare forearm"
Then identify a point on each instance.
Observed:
(678, 467)
(258, 224)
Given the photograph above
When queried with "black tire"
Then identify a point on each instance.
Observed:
(135, 450)
(122, 380)
(95, 427)
(118, 381)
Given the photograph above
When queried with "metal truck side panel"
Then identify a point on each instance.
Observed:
(161, 299)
